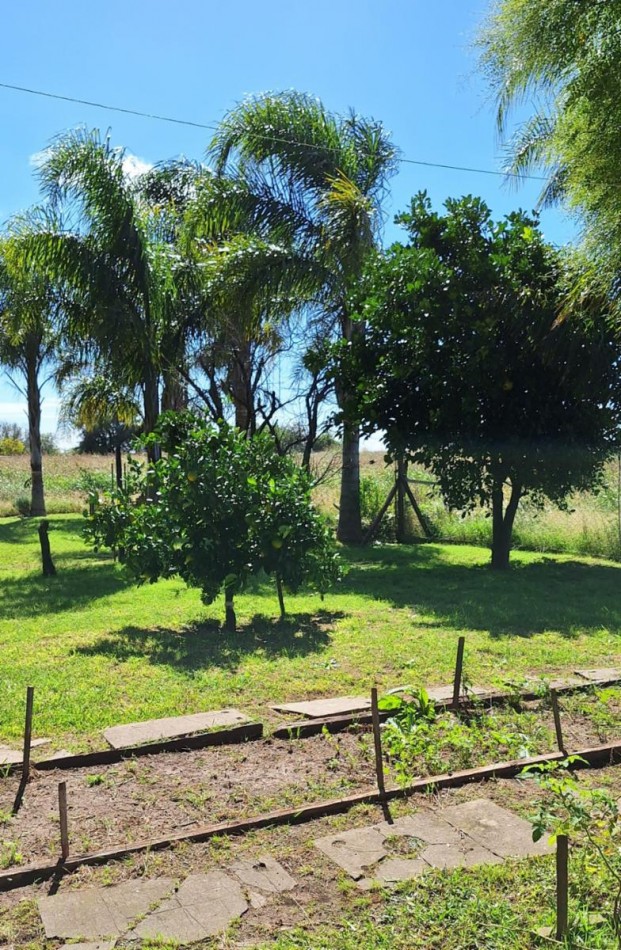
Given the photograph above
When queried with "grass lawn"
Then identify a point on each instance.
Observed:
(101, 651)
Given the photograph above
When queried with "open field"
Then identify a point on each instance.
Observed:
(591, 525)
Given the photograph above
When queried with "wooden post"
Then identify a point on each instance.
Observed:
(459, 665)
(46, 555)
(562, 885)
(557, 721)
(400, 503)
(27, 733)
(377, 738)
(64, 820)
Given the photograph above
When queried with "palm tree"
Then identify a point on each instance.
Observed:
(321, 179)
(93, 402)
(30, 309)
(115, 259)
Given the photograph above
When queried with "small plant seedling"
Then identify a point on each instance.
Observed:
(93, 780)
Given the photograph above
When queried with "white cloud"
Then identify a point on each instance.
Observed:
(37, 158)
(134, 166)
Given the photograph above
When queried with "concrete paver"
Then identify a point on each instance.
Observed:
(99, 945)
(354, 851)
(332, 706)
(172, 727)
(495, 828)
(100, 912)
(204, 905)
(605, 674)
(478, 832)
(265, 873)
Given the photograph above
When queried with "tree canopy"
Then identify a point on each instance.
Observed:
(468, 367)
(563, 58)
(217, 509)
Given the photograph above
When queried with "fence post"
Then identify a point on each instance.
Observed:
(562, 885)
(459, 665)
(27, 733)
(64, 820)
(377, 738)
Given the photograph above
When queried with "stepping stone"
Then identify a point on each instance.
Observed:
(266, 874)
(204, 905)
(478, 832)
(105, 945)
(496, 829)
(606, 675)
(102, 911)
(9, 756)
(333, 706)
(354, 851)
(444, 694)
(174, 727)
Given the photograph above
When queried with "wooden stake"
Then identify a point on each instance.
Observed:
(64, 820)
(459, 665)
(557, 721)
(377, 738)
(27, 733)
(562, 885)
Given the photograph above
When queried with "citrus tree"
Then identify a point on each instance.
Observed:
(217, 509)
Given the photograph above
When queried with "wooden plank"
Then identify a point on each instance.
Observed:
(596, 755)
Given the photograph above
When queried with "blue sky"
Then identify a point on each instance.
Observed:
(409, 63)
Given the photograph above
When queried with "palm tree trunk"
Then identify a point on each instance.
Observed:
(37, 494)
(349, 529)
(151, 408)
(240, 386)
(175, 392)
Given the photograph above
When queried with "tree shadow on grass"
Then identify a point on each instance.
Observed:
(34, 595)
(201, 645)
(566, 597)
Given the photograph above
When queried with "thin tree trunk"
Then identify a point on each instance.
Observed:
(281, 597)
(349, 529)
(230, 618)
(46, 555)
(37, 494)
(151, 408)
(502, 524)
(118, 464)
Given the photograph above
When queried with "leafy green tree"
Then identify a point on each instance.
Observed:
(562, 58)
(468, 369)
(30, 308)
(217, 509)
(321, 178)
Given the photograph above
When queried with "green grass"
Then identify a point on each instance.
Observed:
(494, 907)
(101, 651)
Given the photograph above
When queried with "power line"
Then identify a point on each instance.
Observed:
(269, 138)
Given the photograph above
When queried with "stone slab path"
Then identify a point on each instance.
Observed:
(173, 727)
(332, 706)
(601, 675)
(202, 906)
(477, 832)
